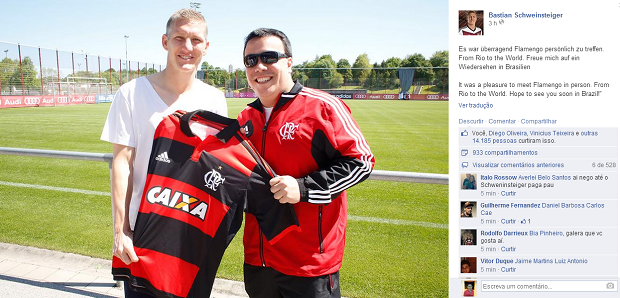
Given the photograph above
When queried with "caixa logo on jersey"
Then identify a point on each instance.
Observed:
(177, 200)
(213, 179)
(32, 101)
(288, 130)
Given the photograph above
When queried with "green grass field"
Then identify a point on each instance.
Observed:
(391, 258)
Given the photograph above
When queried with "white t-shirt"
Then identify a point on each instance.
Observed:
(134, 115)
(467, 31)
(268, 113)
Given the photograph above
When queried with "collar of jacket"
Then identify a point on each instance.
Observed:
(282, 100)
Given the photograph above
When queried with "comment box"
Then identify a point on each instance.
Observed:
(549, 285)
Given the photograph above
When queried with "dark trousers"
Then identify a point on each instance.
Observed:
(265, 282)
(129, 293)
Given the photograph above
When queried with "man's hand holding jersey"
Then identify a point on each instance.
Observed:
(123, 247)
(285, 189)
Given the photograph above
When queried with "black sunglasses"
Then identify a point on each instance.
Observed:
(269, 57)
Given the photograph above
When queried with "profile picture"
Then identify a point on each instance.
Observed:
(468, 265)
(468, 237)
(469, 181)
(471, 22)
(468, 209)
(469, 288)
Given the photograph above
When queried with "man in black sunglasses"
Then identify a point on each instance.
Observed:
(311, 141)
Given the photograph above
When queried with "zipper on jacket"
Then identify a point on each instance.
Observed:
(265, 135)
(262, 255)
(320, 228)
(262, 153)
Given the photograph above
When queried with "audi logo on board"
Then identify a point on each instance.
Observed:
(32, 101)
(63, 99)
(432, 97)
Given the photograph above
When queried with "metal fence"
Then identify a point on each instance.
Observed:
(36, 71)
(26, 70)
(427, 80)
(107, 157)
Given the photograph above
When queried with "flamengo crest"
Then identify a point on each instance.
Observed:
(288, 130)
(213, 179)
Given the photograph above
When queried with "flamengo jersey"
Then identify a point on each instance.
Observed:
(466, 31)
(193, 202)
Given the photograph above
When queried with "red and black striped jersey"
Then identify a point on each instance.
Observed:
(193, 203)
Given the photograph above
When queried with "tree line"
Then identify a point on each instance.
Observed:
(323, 72)
(327, 73)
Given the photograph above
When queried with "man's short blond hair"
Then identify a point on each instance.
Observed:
(186, 14)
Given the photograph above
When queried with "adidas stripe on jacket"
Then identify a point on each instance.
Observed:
(312, 137)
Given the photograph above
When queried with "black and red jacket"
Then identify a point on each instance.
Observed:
(194, 198)
(312, 137)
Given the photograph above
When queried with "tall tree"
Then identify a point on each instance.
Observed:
(390, 72)
(28, 73)
(344, 68)
(7, 68)
(440, 59)
(361, 74)
(322, 73)
(216, 75)
(417, 60)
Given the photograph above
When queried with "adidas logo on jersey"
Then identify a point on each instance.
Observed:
(163, 157)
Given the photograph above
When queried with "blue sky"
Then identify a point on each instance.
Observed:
(344, 29)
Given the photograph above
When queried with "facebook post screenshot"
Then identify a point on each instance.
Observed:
(534, 149)
(300, 149)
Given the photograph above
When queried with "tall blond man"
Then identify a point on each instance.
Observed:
(137, 109)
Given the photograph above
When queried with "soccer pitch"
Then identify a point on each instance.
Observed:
(397, 236)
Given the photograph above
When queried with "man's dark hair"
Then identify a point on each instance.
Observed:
(465, 261)
(266, 32)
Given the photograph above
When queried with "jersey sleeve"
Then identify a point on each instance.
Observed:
(118, 128)
(275, 220)
(342, 153)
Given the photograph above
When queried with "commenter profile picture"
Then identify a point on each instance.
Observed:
(469, 181)
(469, 288)
(468, 237)
(468, 209)
(471, 22)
